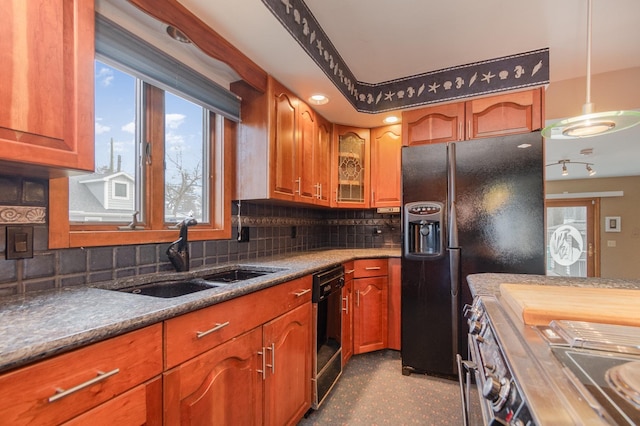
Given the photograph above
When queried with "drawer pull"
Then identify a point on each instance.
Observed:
(350, 271)
(372, 268)
(345, 309)
(61, 393)
(303, 292)
(201, 334)
(263, 372)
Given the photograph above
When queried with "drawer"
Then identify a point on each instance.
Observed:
(371, 268)
(89, 376)
(194, 333)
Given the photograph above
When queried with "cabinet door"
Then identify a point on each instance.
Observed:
(436, 124)
(322, 162)
(370, 314)
(288, 347)
(351, 167)
(395, 295)
(283, 144)
(305, 180)
(47, 55)
(347, 313)
(502, 115)
(222, 386)
(386, 176)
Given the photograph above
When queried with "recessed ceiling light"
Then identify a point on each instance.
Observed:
(391, 119)
(318, 99)
(178, 35)
(586, 151)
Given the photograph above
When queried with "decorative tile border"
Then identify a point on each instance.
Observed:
(293, 221)
(522, 70)
(22, 214)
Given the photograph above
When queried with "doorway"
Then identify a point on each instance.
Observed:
(572, 237)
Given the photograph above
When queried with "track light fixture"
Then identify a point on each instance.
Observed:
(565, 171)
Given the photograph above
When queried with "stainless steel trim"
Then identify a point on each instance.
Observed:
(464, 393)
(218, 326)
(61, 393)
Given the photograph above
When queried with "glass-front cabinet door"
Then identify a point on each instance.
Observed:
(351, 167)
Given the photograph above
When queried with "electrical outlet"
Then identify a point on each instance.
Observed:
(19, 242)
(243, 235)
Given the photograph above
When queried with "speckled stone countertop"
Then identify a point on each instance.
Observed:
(489, 284)
(38, 325)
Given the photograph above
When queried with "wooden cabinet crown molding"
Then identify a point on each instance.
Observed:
(210, 42)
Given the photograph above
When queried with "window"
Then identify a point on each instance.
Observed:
(161, 153)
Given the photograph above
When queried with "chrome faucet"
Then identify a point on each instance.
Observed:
(178, 251)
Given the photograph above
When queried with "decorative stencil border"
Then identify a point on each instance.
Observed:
(22, 214)
(495, 75)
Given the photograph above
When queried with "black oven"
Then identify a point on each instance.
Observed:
(327, 310)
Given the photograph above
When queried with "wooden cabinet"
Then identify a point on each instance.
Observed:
(386, 166)
(395, 292)
(244, 361)
(46, 121)
(347, 313)
(322, 162)
(370, 312)
(287, 356)
(281, 151)
(500, 115)
(109, 380)
(350, 167)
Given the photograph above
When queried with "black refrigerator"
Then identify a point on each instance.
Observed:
(468, 207)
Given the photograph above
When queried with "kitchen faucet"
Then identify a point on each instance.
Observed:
(178, 251)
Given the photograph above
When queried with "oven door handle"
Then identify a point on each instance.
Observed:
(464, 393)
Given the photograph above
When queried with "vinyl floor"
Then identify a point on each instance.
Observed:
(373, 391)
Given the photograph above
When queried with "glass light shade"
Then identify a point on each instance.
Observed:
(592, 124)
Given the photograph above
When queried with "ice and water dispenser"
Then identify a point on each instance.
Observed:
(423, 225)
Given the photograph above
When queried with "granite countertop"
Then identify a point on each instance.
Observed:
(489, 284)
(34, 326)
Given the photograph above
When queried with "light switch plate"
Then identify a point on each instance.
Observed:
(19, 242)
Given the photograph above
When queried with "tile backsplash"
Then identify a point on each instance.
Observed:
(273, 229)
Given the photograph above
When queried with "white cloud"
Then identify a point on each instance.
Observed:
(100, 129)
(105, 76)
(129, 128)
(173, 121)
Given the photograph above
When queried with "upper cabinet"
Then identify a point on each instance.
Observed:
(386, 176)
(281, 151)
(501, 115)
(46, 122)
(350, 168)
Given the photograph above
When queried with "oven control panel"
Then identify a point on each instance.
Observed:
(502, 398)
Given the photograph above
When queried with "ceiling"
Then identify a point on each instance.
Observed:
(380, 40)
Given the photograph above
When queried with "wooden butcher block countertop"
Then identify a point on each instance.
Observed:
(538, 305)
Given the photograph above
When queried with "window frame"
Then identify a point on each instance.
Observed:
(154, 229)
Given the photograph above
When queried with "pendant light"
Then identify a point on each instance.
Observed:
(590, 123)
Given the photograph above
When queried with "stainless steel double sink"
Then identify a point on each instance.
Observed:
(176, 288)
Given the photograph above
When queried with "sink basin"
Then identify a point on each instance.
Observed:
(169, 289)
(235, 275)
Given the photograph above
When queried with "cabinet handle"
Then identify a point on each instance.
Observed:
(319, 191)
(273, 358)
(460, 130)
(346, 304)
(350, 271)
(358, 298)
(61, 393)
(337, 194)
(299, 182)
(302, 293)
(469, 135)
(372, 268)
(218, 326)
(264, 366)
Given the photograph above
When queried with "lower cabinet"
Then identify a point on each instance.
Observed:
(116, 381)
(260, 375)
(370, 312)
(347, 313)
